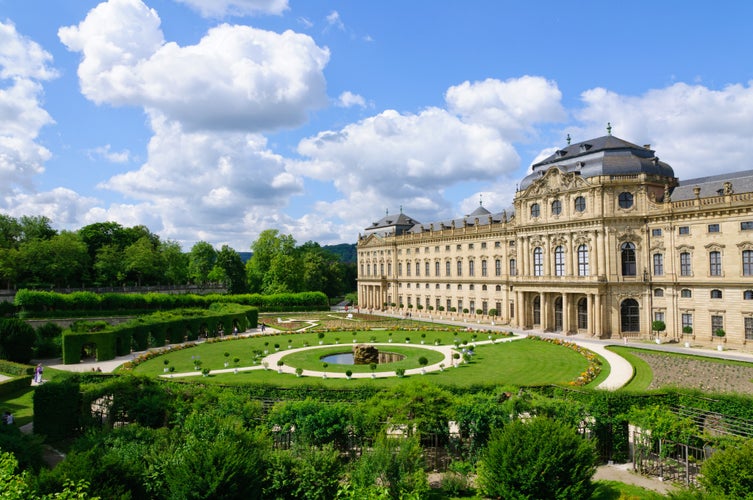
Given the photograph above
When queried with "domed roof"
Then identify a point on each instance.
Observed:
(607, 155)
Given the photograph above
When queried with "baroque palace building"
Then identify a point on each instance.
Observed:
(602, 240)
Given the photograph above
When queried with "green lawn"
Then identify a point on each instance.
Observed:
(642, 372)
(516, 363)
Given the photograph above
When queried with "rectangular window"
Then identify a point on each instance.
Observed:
(658, 315)
(436, 268)
(460, 268)
(656, 232)
(559, 262)
(472, 306)
(458, 247)
(389, 269)
(426, 269)
(746, 225)
(483, 244)
(512, 309)
(687, 321)
(715, 263)
(470, 246)
(447, 248)
(717, 323)
(460, 305)
(538, 263)
(449, 305)
(497, 267)
(713, 228)
(471, 268)
(747, 262)
(685, 268)
(683, 230)
(748, 328)
(497, 244)
(658, 264)
(483, 268)
(447, 268)
(407, 268)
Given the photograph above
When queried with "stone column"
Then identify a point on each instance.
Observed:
(566, 313)
(598, 313)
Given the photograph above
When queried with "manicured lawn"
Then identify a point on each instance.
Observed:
(309, 359)
(516, 363)
(643, 374)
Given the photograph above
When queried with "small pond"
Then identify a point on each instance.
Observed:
(342, 358)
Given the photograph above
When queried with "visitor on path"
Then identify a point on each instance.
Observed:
(38, 373)
(8, 418)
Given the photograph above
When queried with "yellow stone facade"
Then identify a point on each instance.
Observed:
(602, 241)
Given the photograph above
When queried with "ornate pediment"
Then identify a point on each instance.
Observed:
(555, 181)
(745, 245)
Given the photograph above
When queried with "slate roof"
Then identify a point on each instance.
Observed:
(606, 155)
(713, 185)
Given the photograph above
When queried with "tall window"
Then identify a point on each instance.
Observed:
(513, 267)
(556, 207)
(747, 262)
(583, 260)
(436, 268)
(536, 310)
(471, 268)
(447, 268)
(368, 269)
(538, 261)
(484, 271)
(748, 295)
(748, 328)
(715, 263)
(535, 210)
(381, 268)
(399, 268)
(658, 264)
(583, 313)
(717, 323)
(426, 269)
(630, 316)
(460, 268)
(627, 252)
(418, 269)
(497, 267)
(389, 269)
(407, 268)
(559, 261)
(685, 267)
(687, 321)
(580, 204)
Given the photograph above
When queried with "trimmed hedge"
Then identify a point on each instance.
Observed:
(57, 409)
(14, 385)
(38, 303)
(155, 330)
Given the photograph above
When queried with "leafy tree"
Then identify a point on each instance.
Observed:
(541, 458)
(16, 340)
(728, 473)
(10, 232)
(36, 227)
(101, 234)
(303, 472)
(269, 244)
(175, 261)
(200, 262)
(477, 415)
(315, 423)
(392, 468)
(419, 406)
(283, 275)
(108, 266)
(142, 261)
(234, 271)
(61, 260)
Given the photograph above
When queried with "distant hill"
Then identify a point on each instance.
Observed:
(346, 251)
(245, 256)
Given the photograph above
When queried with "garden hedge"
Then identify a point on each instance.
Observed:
(57, 409)
(155, 330)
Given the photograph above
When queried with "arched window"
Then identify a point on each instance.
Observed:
(436, 268)
(582, 260)
(627, 252)
(659, 292)
(580, 204)
(471, 268)
(559, 261)
(484, 271)
(685, 293)
(748, 295)
(685, 265)
(498, 288)
(716, 294)
(497, 267)
(583, 314)
(538, 261)
(537, 310)
(556, 207)
(513, 268)
(630, 320)
(535, 210)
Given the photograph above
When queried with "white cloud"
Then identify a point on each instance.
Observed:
(64, 207)
(512, 106)
(348, 99)
(23, 64)
(234, 78)
(222, 8)
(109, 155)
(334, 21)
(697, 130)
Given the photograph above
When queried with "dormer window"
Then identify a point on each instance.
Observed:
(560, 153)
(585, 147)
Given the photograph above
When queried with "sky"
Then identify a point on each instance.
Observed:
(213, 120)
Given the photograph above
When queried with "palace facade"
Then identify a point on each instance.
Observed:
(602, 240)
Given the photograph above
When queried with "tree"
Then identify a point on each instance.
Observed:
(392, 468)
(61, 260)
(17, 340)
(235, 272)
(142, 261)
(10, 231)
(176, 263)
(541, 458)
(200, 262)
(269, 244)
(36, 228)
(108, 266)
(727, 473)
(283, 276)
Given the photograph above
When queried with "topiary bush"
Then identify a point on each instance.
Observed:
(17, 340)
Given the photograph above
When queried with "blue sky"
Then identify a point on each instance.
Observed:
(216, 119)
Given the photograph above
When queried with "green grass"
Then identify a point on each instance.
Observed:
(309, 359)
(613, 490)
(516, 363)
(643, 375)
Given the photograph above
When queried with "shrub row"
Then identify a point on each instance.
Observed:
(31, 303)
(11, 368)
(155, 330)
